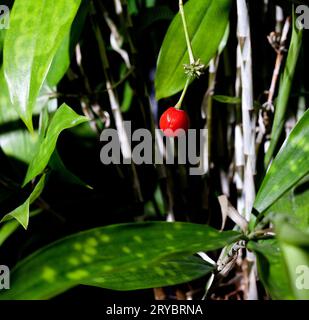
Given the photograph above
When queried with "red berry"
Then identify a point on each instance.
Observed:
(174, 119)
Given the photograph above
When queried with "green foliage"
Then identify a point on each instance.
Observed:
(169, 271)
(127, 98)
(21, 213)
(293, 205)
(2, 36)
(227, 99)
(30, 45)
(7, 229)
(16, 141)
(104, 252)
(294, 245)
(10, 226)
(56, 164)
(60, 62)
(288, 168)
(284, 90)
(271, 268)
(62, 58)
(201, 16)
(39, 49)
(64, 118)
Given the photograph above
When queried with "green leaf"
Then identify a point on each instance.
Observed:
(61, 62)
(107, 251)
(301, 206)
(297, 257)
(288, 168)
(132, 7)
(227, 99)
(62, 58)
(290, 234)
(7, 229)
(159, 274)
(127, 98)
(37, 28)
(155, 14)
(12, 225)
(224, 39)
(284, 90)
(17, 142)
(294, 206)
(64, 118)
(295, 247)
(2, 36)
(57, 165)
(206, 31)
(150, 3)
(155, 206)
(21, 213)
(233, 100)
(271, 268)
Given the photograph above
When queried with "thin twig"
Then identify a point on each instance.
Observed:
(280, 49)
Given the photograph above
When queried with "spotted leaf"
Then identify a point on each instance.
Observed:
(288, 168)
(109, 255)
(37, 29)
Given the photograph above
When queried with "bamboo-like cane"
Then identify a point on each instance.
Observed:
(248, 126)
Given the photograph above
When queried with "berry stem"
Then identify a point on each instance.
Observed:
(179, 103)
(184, 22)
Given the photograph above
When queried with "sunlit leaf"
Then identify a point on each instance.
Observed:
(15, 140)
(60, 62)
(62, 58)
(37, 28)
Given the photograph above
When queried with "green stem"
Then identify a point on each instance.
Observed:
(184, 22)
(179, 103)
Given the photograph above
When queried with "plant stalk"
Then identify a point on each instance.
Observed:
(185, 27)
(184, 91)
